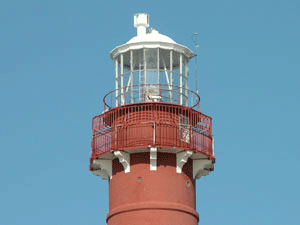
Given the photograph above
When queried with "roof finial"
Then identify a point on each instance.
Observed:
(141, 22)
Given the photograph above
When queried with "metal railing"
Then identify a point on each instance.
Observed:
(151, 93)
(152, 124)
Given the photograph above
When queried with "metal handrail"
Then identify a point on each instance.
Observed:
(141, 126)
(165, 93)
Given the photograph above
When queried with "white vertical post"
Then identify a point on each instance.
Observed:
(158, 78)
(122, 79)
(145, 66)
(116, 80)
(140, 82)
(171, 76)
(153, 158)
(186, 70)
(180, 79)
(131, 76)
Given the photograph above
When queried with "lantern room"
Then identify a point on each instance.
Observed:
(151, 67)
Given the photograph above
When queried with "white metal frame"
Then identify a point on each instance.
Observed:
(120, 60)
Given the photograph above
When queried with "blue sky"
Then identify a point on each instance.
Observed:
(55, 69)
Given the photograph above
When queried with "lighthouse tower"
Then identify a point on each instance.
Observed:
(151, 142)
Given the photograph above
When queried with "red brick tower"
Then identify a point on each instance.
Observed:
(151, 143)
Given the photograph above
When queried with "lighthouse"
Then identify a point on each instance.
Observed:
(151, 142)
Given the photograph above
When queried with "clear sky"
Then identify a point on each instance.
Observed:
(55, 69)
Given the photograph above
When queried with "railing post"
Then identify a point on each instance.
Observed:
(154, 134)
(124, 96)
(178, 95)
(116, 81)
(111, 100)
(191, 141)
(180, 79)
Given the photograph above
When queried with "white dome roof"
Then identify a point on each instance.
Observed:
(149, 39)
(151, 36)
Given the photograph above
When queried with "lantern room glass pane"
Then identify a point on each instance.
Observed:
(151, 66)
(151, 58)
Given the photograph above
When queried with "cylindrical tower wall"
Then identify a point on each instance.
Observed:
(152, 197)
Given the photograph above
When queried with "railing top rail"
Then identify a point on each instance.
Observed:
(140, 93)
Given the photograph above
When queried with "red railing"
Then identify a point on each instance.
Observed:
(152, 124)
